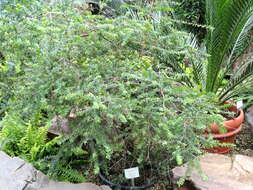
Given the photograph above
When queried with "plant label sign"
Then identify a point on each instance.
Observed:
(239, 104)
(132, 173)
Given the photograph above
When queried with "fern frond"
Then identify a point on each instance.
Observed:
(69, 174)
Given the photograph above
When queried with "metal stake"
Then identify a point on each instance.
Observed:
(132, 182)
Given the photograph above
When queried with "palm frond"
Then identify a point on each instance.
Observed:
(239, 90)
(197, 64)
(231, 20)
(241, 79)
(242, 26)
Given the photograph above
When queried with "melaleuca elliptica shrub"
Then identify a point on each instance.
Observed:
(107, 74)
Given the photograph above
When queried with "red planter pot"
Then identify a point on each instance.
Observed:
(233, 127)
(224, 138)
(231, 124)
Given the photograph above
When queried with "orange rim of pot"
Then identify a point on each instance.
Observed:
(235, 122)
(228, 134)
(231, 124)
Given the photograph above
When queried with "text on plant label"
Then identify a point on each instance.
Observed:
(132, 173)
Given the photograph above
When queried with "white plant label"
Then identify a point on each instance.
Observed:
(239, 104)
(132, 173)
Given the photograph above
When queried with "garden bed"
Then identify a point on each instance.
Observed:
(130, 89)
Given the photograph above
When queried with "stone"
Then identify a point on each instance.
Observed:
(105, 187)
(60, 126)
(248, 152)
(16, 174)
(246, 55)
(223, 172)
(68, 186)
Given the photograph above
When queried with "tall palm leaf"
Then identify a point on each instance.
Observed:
(231, 19)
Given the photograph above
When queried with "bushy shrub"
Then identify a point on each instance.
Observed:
(107, 74)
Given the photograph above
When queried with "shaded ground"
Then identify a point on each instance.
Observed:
(244, 141)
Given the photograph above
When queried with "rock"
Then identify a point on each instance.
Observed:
(69, 186)
(246, 55)
(105, 187)
(60, 126)
(249, 117)
(224, 173)
(4, 158)
(16, 174)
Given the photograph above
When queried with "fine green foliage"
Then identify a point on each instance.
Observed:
(66, 165)
(107, 74)
(191, 11)
(11, 136)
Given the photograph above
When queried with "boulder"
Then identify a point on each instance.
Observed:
(16, 174)
(223, 172)
(60, 126)
(69, 186)
(105, 187)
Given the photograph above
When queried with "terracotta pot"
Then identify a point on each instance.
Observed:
(224, 138)
(233, 127)
(231, 124)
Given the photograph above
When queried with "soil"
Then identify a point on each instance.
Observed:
(244, 141)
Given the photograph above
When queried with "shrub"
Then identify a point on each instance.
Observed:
(107, 74)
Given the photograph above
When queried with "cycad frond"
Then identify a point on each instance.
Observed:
(197, 65)
(231, 20)
(241, 79)
(241, 27)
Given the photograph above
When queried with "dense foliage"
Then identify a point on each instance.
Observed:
(110, 78)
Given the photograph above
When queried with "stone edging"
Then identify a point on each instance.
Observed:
(16, 174)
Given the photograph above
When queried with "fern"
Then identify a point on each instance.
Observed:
(68, 174)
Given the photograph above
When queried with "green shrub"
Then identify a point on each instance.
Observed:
(115, 102)
(107, 73)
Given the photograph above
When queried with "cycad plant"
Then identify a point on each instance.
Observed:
(231, 21)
